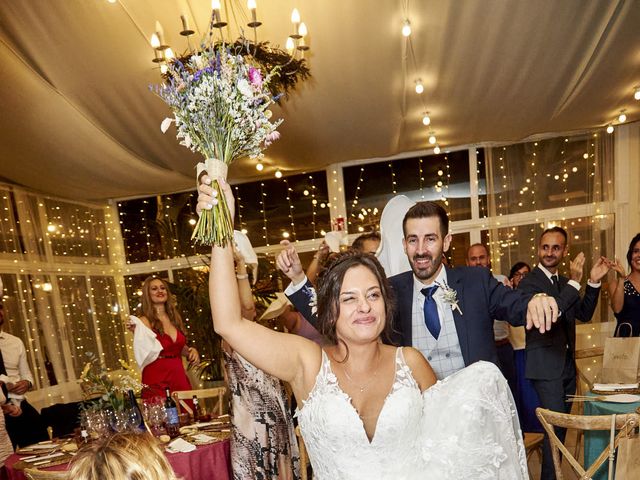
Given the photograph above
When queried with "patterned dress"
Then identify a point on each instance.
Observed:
(263, 444)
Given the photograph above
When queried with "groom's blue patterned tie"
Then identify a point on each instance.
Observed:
(431, 318)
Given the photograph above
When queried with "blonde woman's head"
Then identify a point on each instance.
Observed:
(123, 456)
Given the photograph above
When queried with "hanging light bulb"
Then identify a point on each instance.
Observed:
(251, 4)
(290, 45)
(432, 139)
(302, 29)
(622, 117)
(155, 40)
(419, 87)
(426, 120)
(406, 28)
(259, 166)
(278, 173)
(163, 68)
(168, 53)
(295, 16)
(436, 150)
(636, 94)
(609, 128)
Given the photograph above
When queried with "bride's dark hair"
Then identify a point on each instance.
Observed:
(330, 284)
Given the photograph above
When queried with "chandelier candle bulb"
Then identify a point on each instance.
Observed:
(185, 25)
(252, 6)
(290, 45)
(155, 40)
(303, 29)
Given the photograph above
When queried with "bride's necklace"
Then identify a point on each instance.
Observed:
(362, 388)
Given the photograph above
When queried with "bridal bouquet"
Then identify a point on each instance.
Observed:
(220, 102)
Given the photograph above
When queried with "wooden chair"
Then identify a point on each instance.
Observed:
(35, 474)
(304, 459)
(550, 419)
(216, 393)
(533, 444)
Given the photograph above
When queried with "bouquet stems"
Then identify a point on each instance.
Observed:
(215, 226)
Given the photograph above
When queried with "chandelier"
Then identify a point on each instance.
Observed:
(289, 62)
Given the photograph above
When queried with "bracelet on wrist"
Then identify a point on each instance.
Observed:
(242, 276)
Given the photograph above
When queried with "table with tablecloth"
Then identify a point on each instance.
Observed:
(596, 441)
(205, 462)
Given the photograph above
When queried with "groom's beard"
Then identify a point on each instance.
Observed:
(429, 269)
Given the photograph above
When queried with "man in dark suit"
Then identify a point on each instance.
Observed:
(550, 357)
(446, 313)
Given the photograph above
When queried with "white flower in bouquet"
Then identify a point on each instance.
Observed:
(221, 106)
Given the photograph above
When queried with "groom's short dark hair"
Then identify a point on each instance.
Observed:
(426, 210)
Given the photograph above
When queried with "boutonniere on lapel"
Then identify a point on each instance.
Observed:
(450, 296)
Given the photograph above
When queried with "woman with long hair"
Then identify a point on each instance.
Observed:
(160, 314)
(625, 291)
(367, 409)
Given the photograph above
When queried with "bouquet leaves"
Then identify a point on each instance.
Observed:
(220, 100)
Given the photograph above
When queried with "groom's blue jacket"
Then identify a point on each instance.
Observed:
(480, 297)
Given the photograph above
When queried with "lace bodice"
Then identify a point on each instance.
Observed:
(335, 437)
(465, 426)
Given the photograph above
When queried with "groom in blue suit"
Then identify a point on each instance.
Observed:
(446, 313)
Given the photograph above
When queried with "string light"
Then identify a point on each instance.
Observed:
(278, 173)
(259, 166)
(419, 87)
(264, 214)
(432, 138)
(622, 117)
(289, 201)
(426, 119)
(636, 94)
(406, 28)
(436, 150)
(610, 128)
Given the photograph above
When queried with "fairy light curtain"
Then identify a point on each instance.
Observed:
(565, 181)
(59, 294)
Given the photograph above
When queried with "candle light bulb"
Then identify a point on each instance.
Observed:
(426, 120)
(295, 16)
(215, 4)
(419, 87)
(155, 40)
(168, 53)
(251, 4)
(302, 30)
(290, 45)
(406, 28)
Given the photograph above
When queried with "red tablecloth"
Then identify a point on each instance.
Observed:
(207, 462)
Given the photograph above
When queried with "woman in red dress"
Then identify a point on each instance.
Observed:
(159, 313)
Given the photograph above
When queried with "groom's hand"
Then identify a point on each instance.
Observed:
(542, 312)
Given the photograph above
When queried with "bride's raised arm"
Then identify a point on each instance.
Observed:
(289, 357)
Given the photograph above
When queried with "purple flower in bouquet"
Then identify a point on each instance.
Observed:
(271, 137)
(255, 77)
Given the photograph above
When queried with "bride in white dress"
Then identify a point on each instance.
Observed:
(370, 410)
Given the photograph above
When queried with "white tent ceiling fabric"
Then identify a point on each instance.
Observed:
(78, 120)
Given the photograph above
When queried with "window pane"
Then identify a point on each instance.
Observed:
(443, 178)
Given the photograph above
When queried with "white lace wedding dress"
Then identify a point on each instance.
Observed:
(464, 427)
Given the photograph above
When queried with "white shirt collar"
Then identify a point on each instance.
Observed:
(548, 273)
